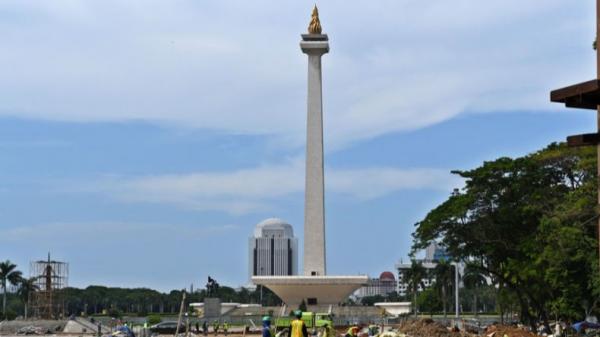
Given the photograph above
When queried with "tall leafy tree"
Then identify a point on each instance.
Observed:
(529, 223)
(27, 286)
(8, 275)
(414, 277)
(474, 279)
(444, 278)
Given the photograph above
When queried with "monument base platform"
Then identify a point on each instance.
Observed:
(314, 290)
(395, 308)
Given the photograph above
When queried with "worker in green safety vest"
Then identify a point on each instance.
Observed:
(225, 328)
(216, 327)
(327, 331)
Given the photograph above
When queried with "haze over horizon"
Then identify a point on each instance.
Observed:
(142, 141)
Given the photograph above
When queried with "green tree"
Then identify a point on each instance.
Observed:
(8, 275)
(26, 287)
(444, 278)
(474, 280)
(371, 300)
(528, 223)
(302, 306)
(414, 278)
(429, 301)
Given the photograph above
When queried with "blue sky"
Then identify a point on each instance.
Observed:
(141, 141)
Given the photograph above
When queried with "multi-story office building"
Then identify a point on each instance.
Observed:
(433, 254)
(273, 249)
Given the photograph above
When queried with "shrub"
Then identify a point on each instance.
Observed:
(154, 319)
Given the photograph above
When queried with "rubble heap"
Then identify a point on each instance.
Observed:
(509, 331)
(428, 328)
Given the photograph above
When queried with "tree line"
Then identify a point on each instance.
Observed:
(96, 300)
(476, 295)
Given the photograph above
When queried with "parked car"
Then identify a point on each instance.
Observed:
(166, 328)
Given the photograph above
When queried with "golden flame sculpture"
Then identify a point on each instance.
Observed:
(315, 25)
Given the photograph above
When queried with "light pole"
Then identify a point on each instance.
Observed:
(456, 301)
(261, 287)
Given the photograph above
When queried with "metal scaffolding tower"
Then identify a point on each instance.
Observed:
(51, 278)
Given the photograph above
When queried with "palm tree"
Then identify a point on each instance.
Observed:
(444, 277)
(414, 278)
(474, 279)
(26, 287)
(8, 275)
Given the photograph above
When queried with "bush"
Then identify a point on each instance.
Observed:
(154, 319)
(10, 315)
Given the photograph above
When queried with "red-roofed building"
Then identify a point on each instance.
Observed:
(385, 284)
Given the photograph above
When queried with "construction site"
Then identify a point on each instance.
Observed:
(315, 303)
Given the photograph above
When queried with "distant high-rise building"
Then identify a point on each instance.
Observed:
(434, 253)
(273, 249)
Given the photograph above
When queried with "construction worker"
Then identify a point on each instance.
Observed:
(298, 328)
(373, 330)
(225, 328)
(266, 328)
(327, 331)
(216, 327)
(352, 332)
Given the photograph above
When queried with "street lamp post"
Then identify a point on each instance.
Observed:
(456, 301)
(261, 287)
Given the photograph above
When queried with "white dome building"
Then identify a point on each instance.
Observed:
(273, 227)
(273, 249)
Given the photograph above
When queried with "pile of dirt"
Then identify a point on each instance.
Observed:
(428, 328)
(509, 331)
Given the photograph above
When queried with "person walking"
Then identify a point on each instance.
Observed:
(225, 328)
(327, 331)
(216, 327)
(266, 328)
(298, 328)
(205, 328)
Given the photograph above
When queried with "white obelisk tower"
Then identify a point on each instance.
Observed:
(314, 287)
(314, 45)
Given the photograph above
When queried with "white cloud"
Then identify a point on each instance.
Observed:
(377, 182)
(235, 66)
(259, 189)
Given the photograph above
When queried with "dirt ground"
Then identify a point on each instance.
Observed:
(419, 328)
(428, 328)
(509, 331)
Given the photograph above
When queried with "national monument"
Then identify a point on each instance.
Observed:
(315, 286)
